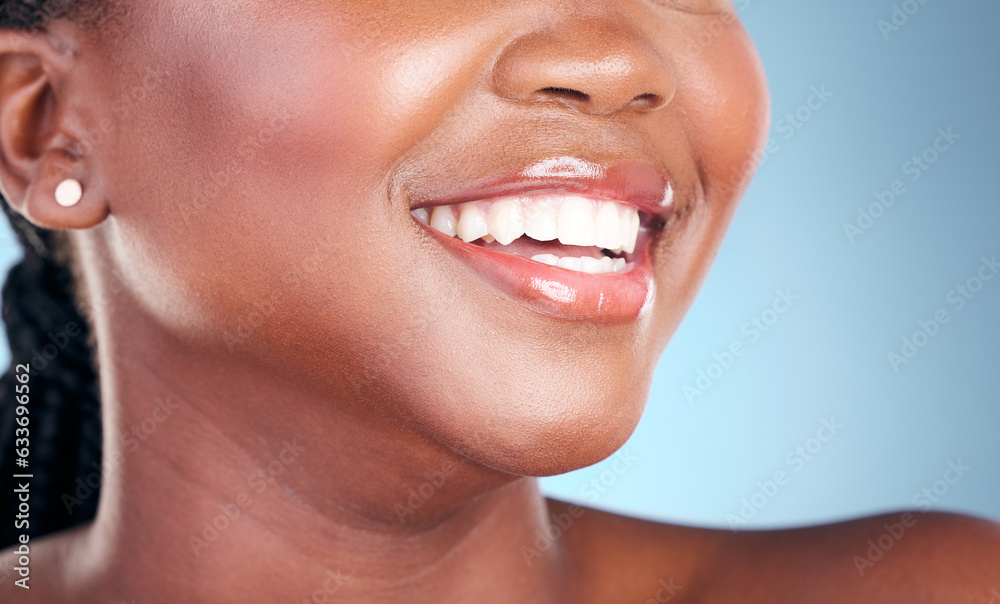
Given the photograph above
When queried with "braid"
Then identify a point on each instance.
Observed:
(46, 328)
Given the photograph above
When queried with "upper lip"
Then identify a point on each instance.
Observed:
(639, 184)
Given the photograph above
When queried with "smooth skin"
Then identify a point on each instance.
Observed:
(278, 336)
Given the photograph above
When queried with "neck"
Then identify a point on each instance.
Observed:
(221, 483)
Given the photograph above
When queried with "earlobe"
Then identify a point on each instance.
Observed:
(62, 195)
(43, 174)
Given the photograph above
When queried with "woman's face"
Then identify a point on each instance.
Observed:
(262, 162)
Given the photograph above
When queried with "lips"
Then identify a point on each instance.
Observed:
(566, 237)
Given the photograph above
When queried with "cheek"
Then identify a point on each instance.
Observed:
(252, 168)
(723, 105)
(729, 113)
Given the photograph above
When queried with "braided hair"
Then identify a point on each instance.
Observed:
(47, 329)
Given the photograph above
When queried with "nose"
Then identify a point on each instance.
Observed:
(597, 65)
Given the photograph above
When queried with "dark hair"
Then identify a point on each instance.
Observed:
(46, 328)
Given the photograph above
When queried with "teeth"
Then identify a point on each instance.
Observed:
(572, 219)
(550, 259)
(471, 223)
(628, 243)
(586, 264)
(625, 226)
(573, 264)
(540, 224)
(576, 222)
(443, 219)
(607, 227)
(506, 221)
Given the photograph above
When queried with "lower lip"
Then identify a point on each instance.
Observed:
(559, 292)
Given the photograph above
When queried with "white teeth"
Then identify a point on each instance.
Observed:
(573, 264)
(607, 228)
(586, 264)
(590, 265)
(576, 222)
(572, 219)
(631, 219)
(546, 259)
(443, 219)
(540, 223)
(506, 221)
(625, 226)
(471, 223)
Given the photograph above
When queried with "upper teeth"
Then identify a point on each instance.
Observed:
(572, 219)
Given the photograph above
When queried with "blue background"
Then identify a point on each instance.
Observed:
(825, 358)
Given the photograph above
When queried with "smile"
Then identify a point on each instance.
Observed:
(571, 221)
(571, 242)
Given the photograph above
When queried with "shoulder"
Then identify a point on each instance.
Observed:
(615, 558)
(904, 557)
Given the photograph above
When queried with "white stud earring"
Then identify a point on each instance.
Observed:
(69, 192)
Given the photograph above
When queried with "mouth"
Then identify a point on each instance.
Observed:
(567, 237)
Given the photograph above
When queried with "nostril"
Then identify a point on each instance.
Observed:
(647, 101)
(565, 94)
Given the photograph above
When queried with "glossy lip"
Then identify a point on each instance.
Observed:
(555, 291)
(633, 183)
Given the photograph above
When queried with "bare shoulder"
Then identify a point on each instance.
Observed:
(901, 557)
(613, 558)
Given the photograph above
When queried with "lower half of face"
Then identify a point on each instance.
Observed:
(483, 219)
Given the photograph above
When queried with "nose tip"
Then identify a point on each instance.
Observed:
(596, 67)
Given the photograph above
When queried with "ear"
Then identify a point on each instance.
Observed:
(40, 126)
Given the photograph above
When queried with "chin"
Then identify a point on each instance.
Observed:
(546, 426)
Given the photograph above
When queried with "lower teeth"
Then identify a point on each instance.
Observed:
(592, 266)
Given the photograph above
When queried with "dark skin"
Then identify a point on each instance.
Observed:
(248, 252)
